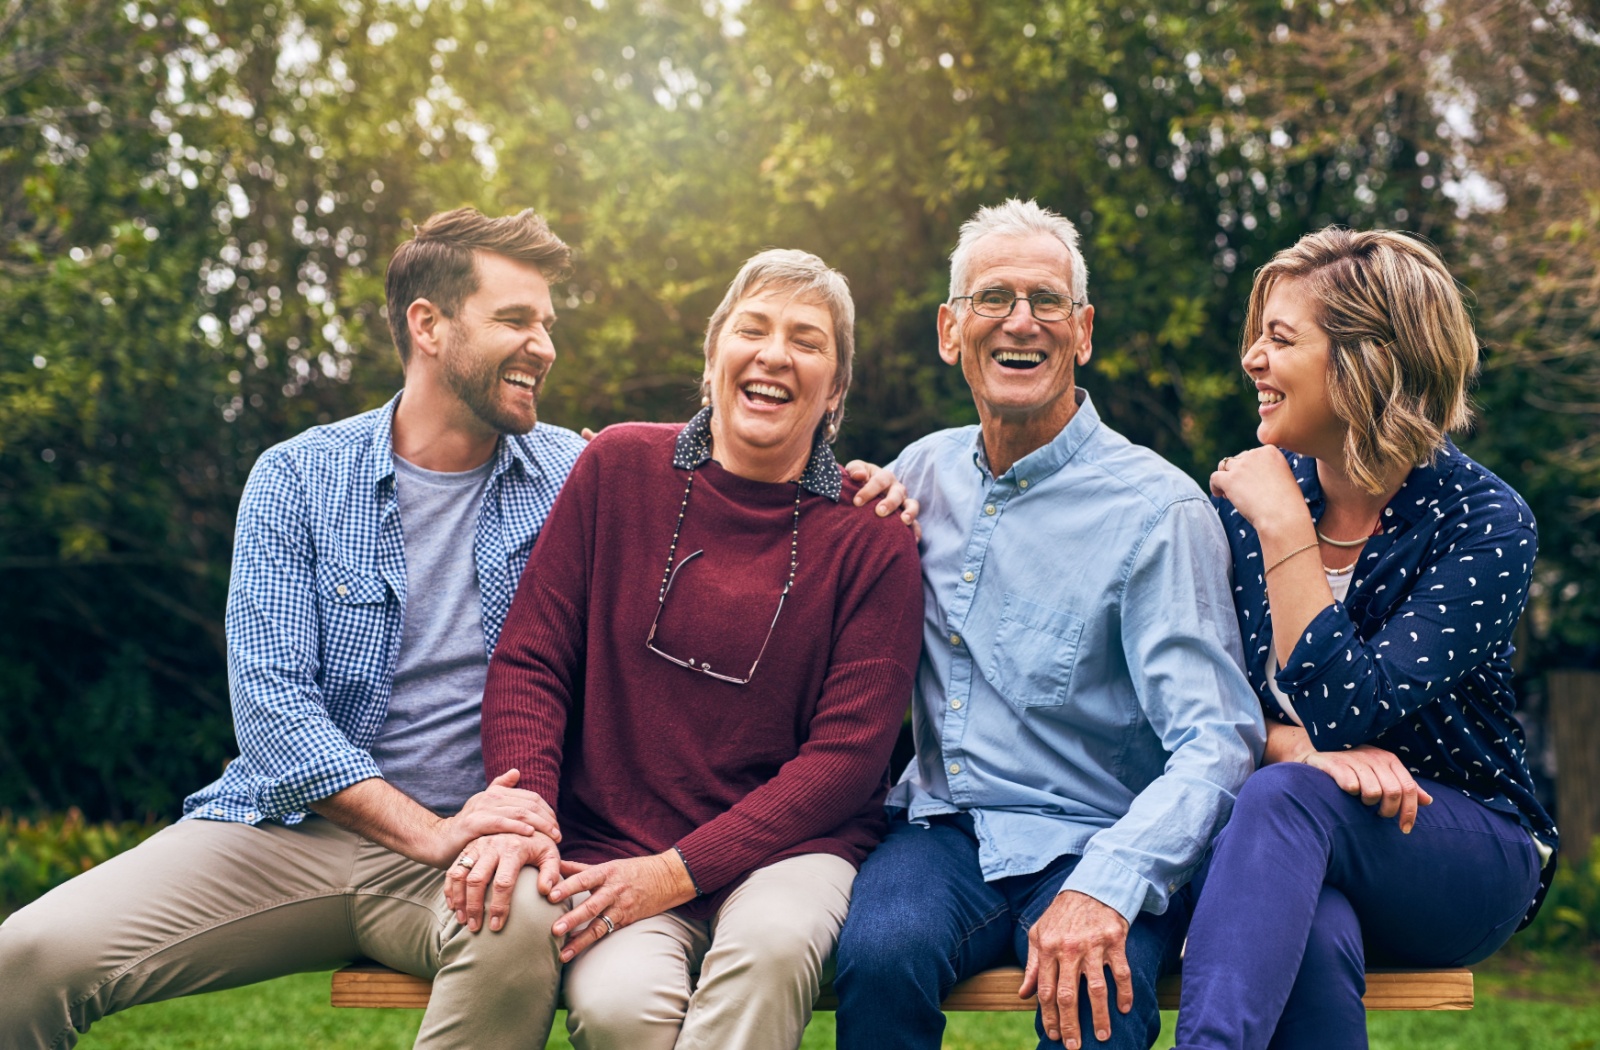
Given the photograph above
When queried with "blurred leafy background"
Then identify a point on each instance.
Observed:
(198, 199)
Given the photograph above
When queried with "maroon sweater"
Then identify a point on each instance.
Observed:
(637, 754)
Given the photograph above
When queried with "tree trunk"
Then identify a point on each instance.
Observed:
(1574, 720)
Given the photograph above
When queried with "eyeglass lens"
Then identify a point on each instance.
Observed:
(999, 302)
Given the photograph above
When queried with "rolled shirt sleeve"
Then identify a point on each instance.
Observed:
(295, 752)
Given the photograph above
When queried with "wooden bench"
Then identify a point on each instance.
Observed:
(368, 984)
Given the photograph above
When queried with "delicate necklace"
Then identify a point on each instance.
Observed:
(1377, 528)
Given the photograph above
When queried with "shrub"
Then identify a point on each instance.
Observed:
(38, 855)
(1570, 917)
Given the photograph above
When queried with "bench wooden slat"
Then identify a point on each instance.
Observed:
(371, 985)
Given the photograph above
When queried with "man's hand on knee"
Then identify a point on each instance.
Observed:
(1077, 938)
(497, 861)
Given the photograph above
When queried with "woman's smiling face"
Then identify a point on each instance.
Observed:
(1289, 363)
(772, 378)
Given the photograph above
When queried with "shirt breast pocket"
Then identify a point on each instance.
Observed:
(1035, 650)
(352, 616)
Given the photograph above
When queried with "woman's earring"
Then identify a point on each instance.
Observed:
(705, 400)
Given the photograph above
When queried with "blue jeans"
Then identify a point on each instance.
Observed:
(1306, 886)
(922, 918)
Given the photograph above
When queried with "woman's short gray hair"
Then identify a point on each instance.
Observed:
(807, 277)
(1016, 218)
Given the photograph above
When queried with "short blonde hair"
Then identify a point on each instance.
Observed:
(1403, 348)
(806, 277)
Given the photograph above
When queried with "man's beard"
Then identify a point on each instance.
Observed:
(475, 379)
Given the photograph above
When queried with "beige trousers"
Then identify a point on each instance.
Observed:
(205, 905)
(760, 962)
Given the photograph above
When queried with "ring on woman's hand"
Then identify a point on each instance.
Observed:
(465, 861)
(611, 927)
(1222, 464)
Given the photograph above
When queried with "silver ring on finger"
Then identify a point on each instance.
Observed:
(611, 927)
(465, 861)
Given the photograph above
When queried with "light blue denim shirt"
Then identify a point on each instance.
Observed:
(1081, 689)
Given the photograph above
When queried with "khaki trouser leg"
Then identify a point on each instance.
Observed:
(771, 946)
(631, 989)
(205, 905)
(496, 990)
(761, 962)
(200, 906)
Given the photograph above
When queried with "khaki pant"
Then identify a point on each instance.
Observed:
(205, 905)
(760, 962)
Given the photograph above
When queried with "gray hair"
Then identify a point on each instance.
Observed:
(808, 277)
(1016, 218)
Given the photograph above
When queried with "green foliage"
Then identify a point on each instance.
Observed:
(197, 200)
(39, 855)
(1570, 916)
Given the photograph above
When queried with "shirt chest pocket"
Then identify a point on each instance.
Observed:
(1035, 650)
(353, 605)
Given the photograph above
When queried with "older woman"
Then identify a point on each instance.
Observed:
(704, 670)
(1380, 575)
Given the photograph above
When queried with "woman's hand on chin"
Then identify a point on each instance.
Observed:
(621, 891)
(1261, 487)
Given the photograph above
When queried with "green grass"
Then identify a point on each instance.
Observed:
(1523, 1001)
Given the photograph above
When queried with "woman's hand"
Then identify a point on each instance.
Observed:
(1261, 487)
(497, 859)
(1376, 775)
(622, 891)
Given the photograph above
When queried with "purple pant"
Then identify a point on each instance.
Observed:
(1306, 886)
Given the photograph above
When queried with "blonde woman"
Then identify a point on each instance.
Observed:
(1380, 575)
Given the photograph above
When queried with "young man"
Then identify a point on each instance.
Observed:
(373, 567)
(1082, 719)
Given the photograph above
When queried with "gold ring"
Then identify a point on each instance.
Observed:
(1222, 464)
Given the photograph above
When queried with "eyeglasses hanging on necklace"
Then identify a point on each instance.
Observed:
(670, 574)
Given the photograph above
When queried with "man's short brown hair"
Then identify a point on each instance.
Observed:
(437, 264)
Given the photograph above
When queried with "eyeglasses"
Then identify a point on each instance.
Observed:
(999, 302)
(670, 576)
(701, 666)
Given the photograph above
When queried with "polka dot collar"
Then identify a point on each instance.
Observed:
(820, 477)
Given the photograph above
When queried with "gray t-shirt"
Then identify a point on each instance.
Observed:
(429, 745)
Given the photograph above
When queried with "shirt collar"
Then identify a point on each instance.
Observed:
(508, 449)
(693, 449)
(1053, 454)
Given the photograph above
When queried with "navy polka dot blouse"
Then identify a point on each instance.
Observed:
(1416, 660)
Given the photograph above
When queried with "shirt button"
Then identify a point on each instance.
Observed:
(955, 767)
(1022, 484)
(989, 510)
(969, 576)
(250, 816)
(955, 639)
(342, 590)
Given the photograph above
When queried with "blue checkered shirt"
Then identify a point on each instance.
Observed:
(318, 595)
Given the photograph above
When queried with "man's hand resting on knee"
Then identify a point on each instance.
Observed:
(1077, 937)
(497, 860)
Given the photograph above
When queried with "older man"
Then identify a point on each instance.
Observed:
(1082, 719)
(374, 564)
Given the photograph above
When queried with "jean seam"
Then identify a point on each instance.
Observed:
(987, 920)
